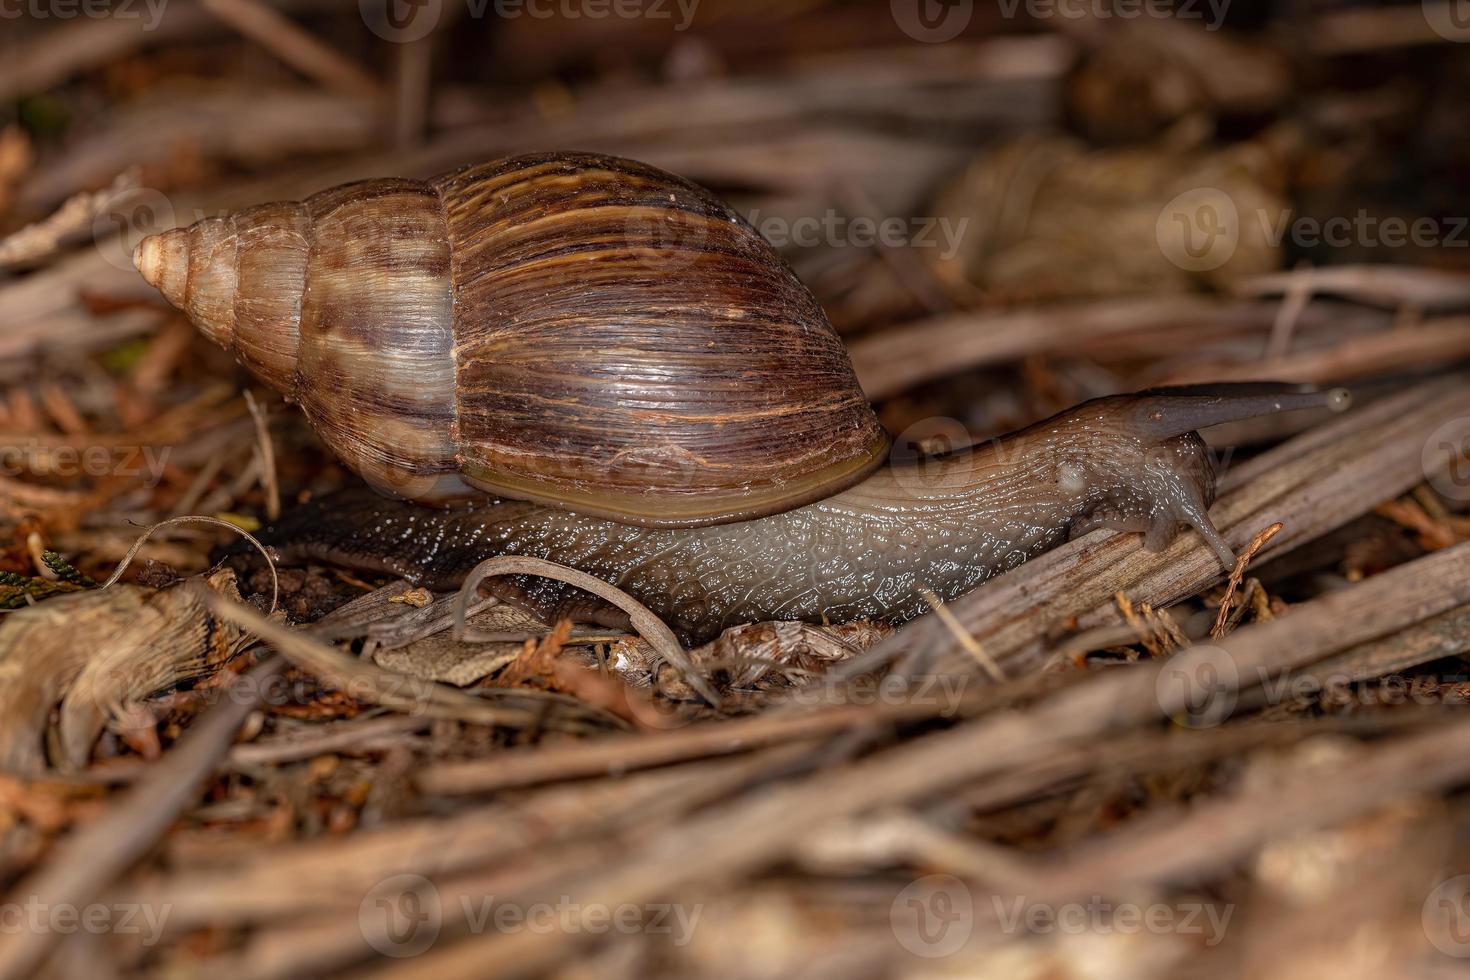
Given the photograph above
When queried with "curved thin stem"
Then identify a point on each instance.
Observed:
(648, 625)
(127, 560)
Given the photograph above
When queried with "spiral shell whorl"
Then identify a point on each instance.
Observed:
(163, 261)
(342, 303)
(199, 269)
(628, 346)
(377, 360)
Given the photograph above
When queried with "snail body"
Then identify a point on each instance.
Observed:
(946, 525)
(588, 360)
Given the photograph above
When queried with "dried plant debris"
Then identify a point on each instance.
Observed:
(1051, 219)
(17, 591)
(92, 656)
(1106, 762)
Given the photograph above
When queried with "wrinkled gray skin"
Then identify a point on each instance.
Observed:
(945, 524)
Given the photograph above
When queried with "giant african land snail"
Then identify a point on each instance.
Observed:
(632, 382)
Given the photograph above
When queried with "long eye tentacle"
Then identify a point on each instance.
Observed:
(1165, 412)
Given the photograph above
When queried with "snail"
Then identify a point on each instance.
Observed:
(588, 360)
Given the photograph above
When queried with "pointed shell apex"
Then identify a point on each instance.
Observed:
(163, 261)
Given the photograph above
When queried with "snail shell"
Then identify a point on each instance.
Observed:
(572, 329)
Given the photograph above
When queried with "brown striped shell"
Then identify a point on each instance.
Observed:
(572, 329)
